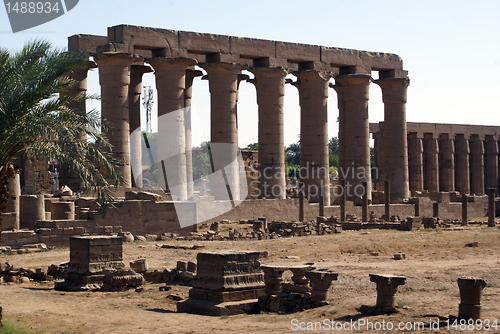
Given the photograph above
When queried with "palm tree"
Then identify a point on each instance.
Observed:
(34, 119)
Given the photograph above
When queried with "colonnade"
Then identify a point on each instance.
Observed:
(120, 77)
(447, 162)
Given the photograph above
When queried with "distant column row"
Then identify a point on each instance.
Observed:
(441, 163)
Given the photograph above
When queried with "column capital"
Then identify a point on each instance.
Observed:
(269, 72)
(476, 146)
(353, 79)
(394, 90)
(141, 69)
(222, 67)
(161, 63)
(312, 75)
(117, 58)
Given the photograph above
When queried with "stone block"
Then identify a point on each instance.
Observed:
(92, 254)
(68, 231)
(139, 266)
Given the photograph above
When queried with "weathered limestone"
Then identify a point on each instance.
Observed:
(270, 86)
(320, 281)
(32, 208)
(491, 207)
(273, 278)
(446, 164)
(135, 90)
(462, 152)
(416, 164)
(13, 203)
(470, 297)
(114, 78)
(476, 165)
(355, 92)
(491, 163)
(90, 256)
(62, 210)
(313, 96)
(223, 84)
(387, 286)
(226, 283)
(341, 134)
(379, 159)
(431, 181)
(394, 94)
(171, 83)
(188, 94)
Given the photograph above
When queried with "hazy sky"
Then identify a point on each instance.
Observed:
(450, 48)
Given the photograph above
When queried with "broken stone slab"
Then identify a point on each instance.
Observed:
(139, 266)
(142, 196)
(115, 280)
(387, 286)
(320, 281)
(470, 297)
(399, 256)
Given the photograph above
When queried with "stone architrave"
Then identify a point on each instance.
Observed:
(135, 90)
(223, 85)
(313, 94)
(170, 76)
(394, 95)
(355, 93)
(114, 77)
(416, 163)
(270, 86)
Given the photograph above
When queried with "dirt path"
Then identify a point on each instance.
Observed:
(435, 259)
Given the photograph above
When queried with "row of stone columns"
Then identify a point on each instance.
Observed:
(121, 80)
(442, 163)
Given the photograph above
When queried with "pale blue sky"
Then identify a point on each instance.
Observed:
(450, 48)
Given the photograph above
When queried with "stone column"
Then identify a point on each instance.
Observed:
(32, 208)
(313, 95)
(394, 92)
(273, 279)
(188, 94)
(171, 82)
(416, 163)
(270, 86)
(491, 168)
(470, 297)
(66, 175)
(135, 90)
(12, 205)
(446, 164)
(432, 166)
(114, 78)
(476, 165)
(223, 84)
(355, 92)
(387, 285)
(462, 152)
(341, 106)
(320, 282)
(378, 151)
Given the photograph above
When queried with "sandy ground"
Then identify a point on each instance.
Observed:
(435, 259)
